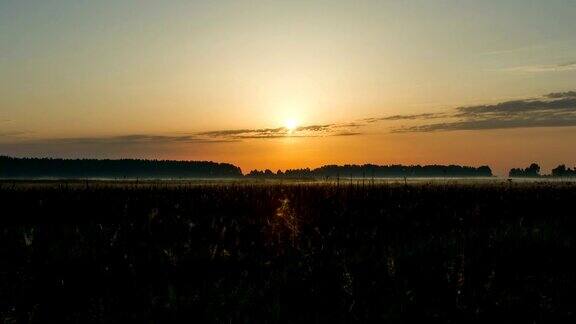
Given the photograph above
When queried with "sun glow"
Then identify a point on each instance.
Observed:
(291, 125)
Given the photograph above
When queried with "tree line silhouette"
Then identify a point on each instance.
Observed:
(11, 167)
(377, 171)
(530, 172)
(533, 171)
(124, 168)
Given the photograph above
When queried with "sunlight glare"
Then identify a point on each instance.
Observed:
(291, 125)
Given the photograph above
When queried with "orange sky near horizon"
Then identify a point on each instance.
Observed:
(498, 149)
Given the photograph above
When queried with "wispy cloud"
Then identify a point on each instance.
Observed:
(215, 136)
(562, 67)
(347, 134)
(13, 134)
(559, 95)
(519, 106)
(405, 117)
(127, 140)
(316, 130)
(556, 109)
(243, 132)
(515, 49)
(492, 123)
(206, 137)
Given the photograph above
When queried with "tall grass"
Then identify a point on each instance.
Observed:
(302, 253)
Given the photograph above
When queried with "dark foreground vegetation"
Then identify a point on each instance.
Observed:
(287, 253)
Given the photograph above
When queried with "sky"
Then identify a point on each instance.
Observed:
(288, 84)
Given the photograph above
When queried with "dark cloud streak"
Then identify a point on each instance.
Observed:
(557, 95)
(521, 106)
(13, 134)
(405, 117)
(561, 67)
(487, 124)
(127, 140)
(239, 132)
(317, 130)
(556, 109)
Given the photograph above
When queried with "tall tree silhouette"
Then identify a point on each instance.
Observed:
(533, 171)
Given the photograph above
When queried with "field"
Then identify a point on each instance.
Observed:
(271, 252)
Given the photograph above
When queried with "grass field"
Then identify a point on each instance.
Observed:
(271, 252)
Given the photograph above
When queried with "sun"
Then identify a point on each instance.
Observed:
(291, 124)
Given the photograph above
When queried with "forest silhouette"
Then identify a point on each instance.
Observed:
(11, 167)
(130, 168)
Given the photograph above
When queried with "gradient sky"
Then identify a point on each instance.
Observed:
(466, 82)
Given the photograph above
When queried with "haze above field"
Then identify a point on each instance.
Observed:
(270, 84)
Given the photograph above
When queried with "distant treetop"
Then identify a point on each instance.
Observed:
(132, 168)
(377, 171)
(533, 171)
(125, 168)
